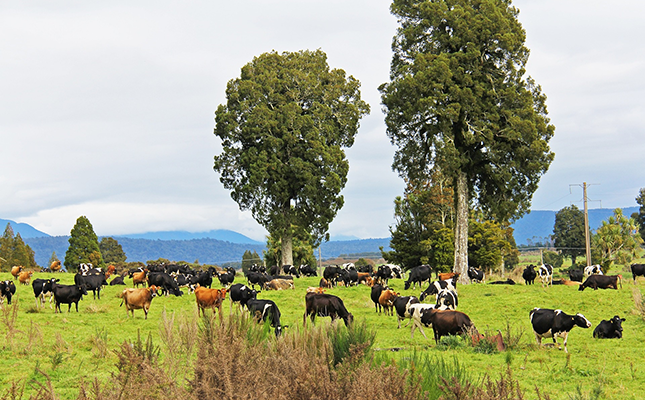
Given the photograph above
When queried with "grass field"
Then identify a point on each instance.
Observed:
(72, 346)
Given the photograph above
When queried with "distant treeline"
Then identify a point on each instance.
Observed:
(206, 251)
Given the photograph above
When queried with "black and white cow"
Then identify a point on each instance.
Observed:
(447, 300)
(529, 274)
(396, 271)
(383, 274)
(420, 317)
(7, 290)
(307, 270)
(263, 310)
(240, 294)
(331, 274)
(84, 268)
(402, 307)
(593, 270)
(638, 270)
(226, 278)
(418, 275)
(42, 288)
(545, 272)
(612, 329)
(437, 286)
(555, 323)
(291, 270)
(475, 275)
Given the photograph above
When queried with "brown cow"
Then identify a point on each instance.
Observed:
(15, 271)
(324, 283)
(25, 277)
(212, 298)
(448, 322)
(137, 299)
(279, 284)
(363, 277)
(386, 300)
(312, 289)
(444, 276)
(140, 278)
(55, 266)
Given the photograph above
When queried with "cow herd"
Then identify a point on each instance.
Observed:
(441, 315)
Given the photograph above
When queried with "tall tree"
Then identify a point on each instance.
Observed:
(640, 216)
(569, 232)
(14, 251)
(283, 130)
(458, 101)
(83, 246)
(617, 240)
(302, 249)
(111, 251)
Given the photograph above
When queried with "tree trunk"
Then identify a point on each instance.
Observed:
(461, 229)
(287, 248)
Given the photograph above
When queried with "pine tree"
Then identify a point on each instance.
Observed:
(83, 246)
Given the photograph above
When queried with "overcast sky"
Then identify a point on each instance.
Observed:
(107, 108)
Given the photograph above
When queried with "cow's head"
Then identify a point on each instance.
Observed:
(581, 321)
(617, 324)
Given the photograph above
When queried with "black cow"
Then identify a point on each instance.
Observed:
(402, 307)
(68, 294)
(375, 294)
(202, 278)
(509, 281)
(257, 278)
(555, 323)
(165, 283)
(331, 274)
(366, 268)
(446, 322)
(325, 305)
(602, 282)
(437, 286)
(226, 278)
(7, 290)
(529, 274)
(42, 288)
(612, 329)
(418, 275)
(266, 309)
(239, 293)
(94, 282)
(475, 275)
(291, 270)
(307, 270)
(383, 274)
(638, 270)
(118, 280)
(576, 274)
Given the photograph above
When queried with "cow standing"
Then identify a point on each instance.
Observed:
(67, 294)
(602, 282)
(545, 272)
(637, 270)
(555, 323)
(42, 288)
(7, 290)
(418, 275)
(529, 275)
(138, 299)
(263, 310)
(209, 298)
(325, 305)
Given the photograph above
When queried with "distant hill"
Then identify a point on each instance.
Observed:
(25, 230)
(219, 234)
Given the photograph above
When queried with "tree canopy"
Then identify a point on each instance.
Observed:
(640, 216)
(111, 251)
(458, 101)
(283, 128)
(617, 240)
(14, 251)
(83, 246)
(569, 232)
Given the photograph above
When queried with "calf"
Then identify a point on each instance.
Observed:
(138, 299)
(402, 308)
(42, 288)
(212, 298)
(25, 277)
(555, 323)
(266, 309)
(529, 274)
(386, 300)
(417, 275)
(475, 275)
(612, 329)
(325, 305)
(325, 284)
(545, 271)
(67, 294)
(602, 282)
(140, 278)
(637, 270)
(7, 290)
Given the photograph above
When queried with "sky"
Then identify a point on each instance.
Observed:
(107, 108)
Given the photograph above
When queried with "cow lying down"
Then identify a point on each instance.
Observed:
(612, 329)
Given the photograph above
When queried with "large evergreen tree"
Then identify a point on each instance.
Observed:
(111, 251)
(640, 216)
(283, 129)
(83, 246)
(14, 251)
(569, 232)
(458, 100)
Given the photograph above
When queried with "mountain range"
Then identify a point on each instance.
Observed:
(223, 246)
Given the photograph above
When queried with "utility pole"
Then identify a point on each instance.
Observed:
(587, 239)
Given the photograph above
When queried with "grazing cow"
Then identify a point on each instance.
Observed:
(256, 278)
(447, 300)
(331, 274)
(240, 294)
(118, 280)
(325, 284)
(350, 277)
(612, 329)
(138, 299)
(509, 281)
(444, 276)
(638, 270)
(593, 270)
(266, 309)
(212, 298)
(226, 278)
(447, 322)
(92, 282)
(419, 314)
(383, 274)
(291, 270)
(307, 270)
(25, 277)
(164, 282)
(402, 308)
(202, 278)
(375, 295)
(363, 278)
(418, 275)
(386, 300)
(67, 294)
(55, 266)
(602, 282)
(279, 284)
(545, 271)
(42, 288)
(140, 278)
(555, 323)
(438, 286)
(7, 290)
(15, 271)
(529, 274)
(325, 305)
(576, 274)
(475, 275)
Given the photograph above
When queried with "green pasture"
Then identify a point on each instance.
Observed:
(71, 347)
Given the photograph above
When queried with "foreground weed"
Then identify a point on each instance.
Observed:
(9, 316)
(639, 302)
(100, 343)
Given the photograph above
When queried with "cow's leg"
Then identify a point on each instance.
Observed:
(538, 338)
(565, 336)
